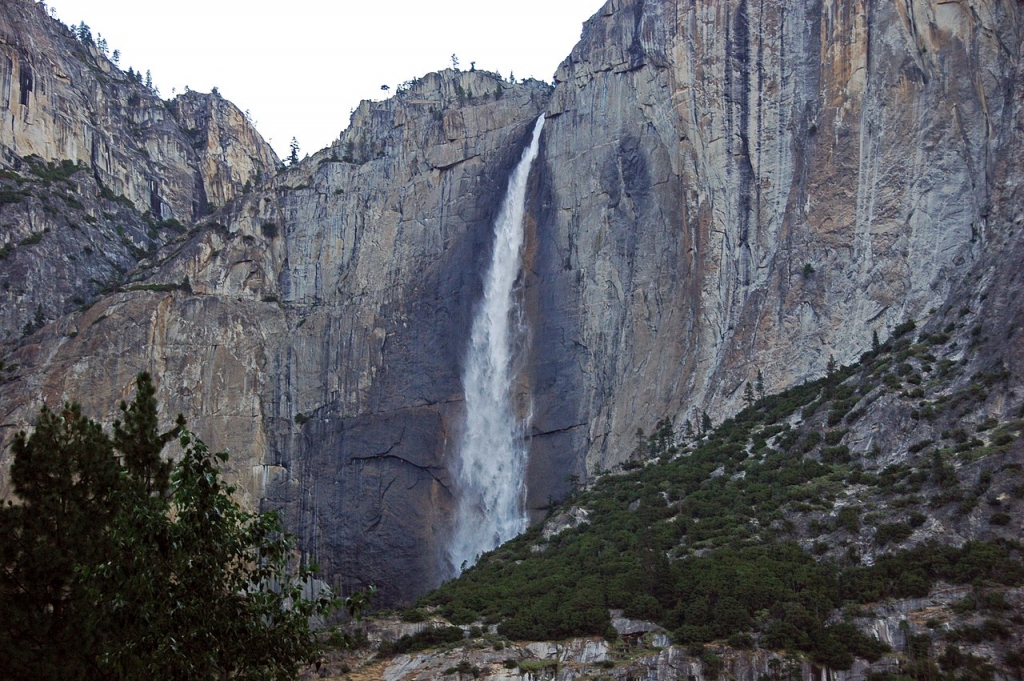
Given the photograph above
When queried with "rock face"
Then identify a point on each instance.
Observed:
(723, 187)
(316, 325)
(61, 98)
(734, 186)
(232, 156)
(647, 657)
(134, 168)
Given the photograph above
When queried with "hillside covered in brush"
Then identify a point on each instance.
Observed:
(800, 524)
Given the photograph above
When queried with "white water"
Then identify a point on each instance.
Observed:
(491, 465)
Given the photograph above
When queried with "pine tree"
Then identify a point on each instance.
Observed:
(759, 386)
(84, 33)
(65, 476)
(748, 394)
(116, 564)
(137, 438)
(293, 157)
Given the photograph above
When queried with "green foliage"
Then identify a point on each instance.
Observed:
(118, 564)
(48, 173)
(428, 638)
(163, 288)
(910, 573)
(534, 666)
(849, 519)
(37, 322)
(904, 328)
(892, 533)
(702, 543)
(999, 519)
(109, 195)
(31, 239)
(12, 195)
(413, 615)
(66, 478)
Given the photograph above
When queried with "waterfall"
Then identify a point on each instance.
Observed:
(491, 463)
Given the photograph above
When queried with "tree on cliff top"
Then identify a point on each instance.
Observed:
(118, 564)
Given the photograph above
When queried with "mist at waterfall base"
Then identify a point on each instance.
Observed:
(490, 468)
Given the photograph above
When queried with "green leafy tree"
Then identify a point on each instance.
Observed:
(221, 600)
(117, 564)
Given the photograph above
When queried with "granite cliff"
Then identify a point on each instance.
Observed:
(312, 324)
(723, 187)
(99, 171)
(772, 183)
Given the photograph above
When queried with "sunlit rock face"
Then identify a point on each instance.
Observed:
(721, 187)
(231, 155)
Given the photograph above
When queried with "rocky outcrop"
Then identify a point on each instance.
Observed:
(62, 99)
(64, 240)
(639, 658)
(232, 156)
(644, 652)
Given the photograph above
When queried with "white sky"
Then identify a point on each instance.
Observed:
(301, 66)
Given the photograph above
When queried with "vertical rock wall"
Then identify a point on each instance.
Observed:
(146, 168)
(744, 185)
(63, 99)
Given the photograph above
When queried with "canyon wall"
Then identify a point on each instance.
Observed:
(314, 324)
(739, 186)
(99, 171)
(722, 188)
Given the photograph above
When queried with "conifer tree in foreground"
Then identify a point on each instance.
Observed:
(117, 564)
